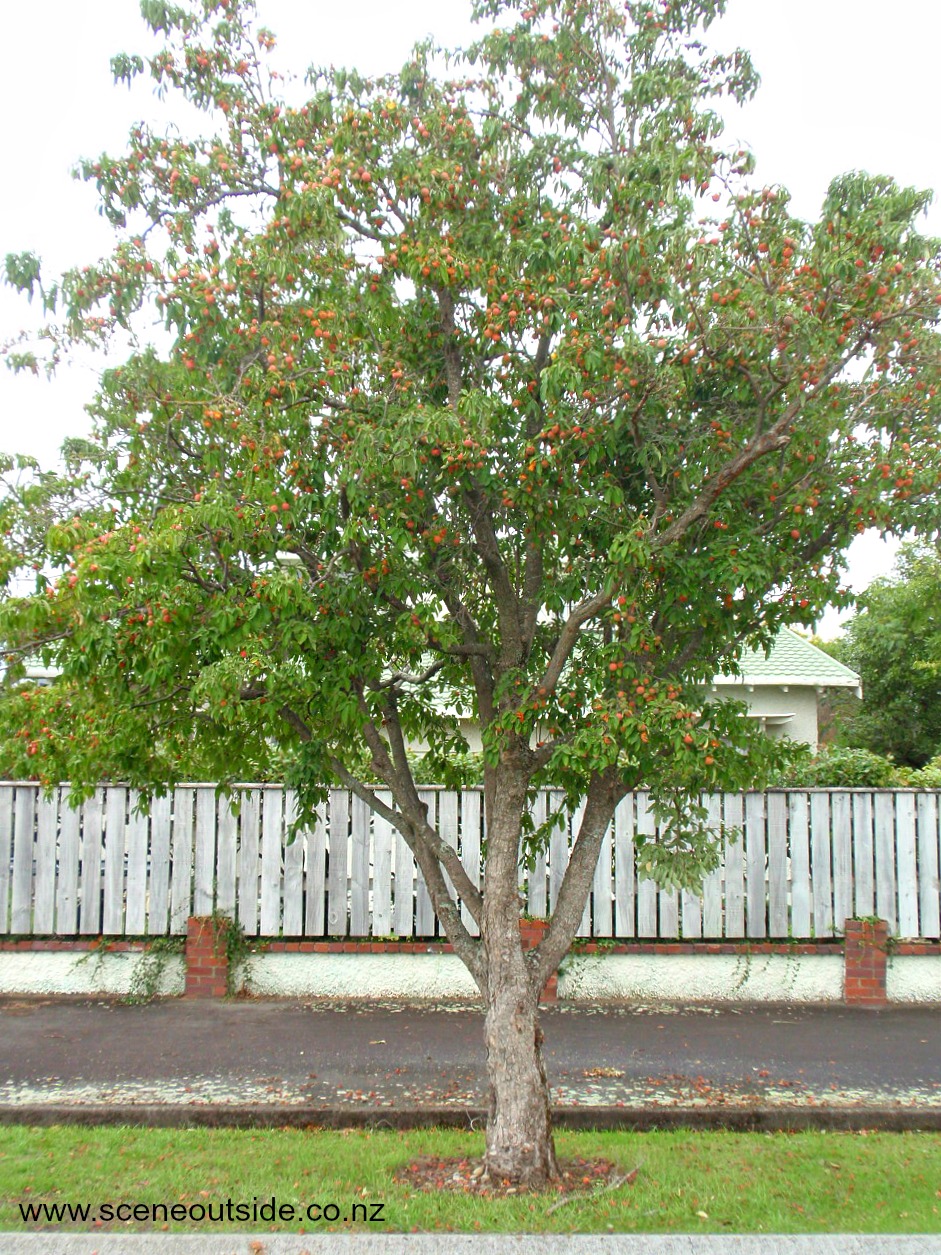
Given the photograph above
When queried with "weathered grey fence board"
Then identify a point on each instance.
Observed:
(929, 888)
(181, 867)
(777, 865)
(735, 867)
(44, 892)
(841, 821)
(382, 873)
(204, 854)
(624, 870)
(359, 869)
(226, 857)
(470, 849)
(537, 901)
(6, 855)
(712, 885)
(884, 849)
(864, 882)
(338, 840)
(820, 864)
(135, 920)
(424, 911)
(907, 863)
(159, 912)
(112, 913)
(801, 864)
(403, 911)
(756, 895)
(315, 901)
(21, 898)
(67, 884)
(798, 823)
(90, 875)
(646, 825)
(602, 915)
(293, 921)
(269, 921)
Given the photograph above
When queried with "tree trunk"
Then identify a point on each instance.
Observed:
(520, 1148)
(519, 1135)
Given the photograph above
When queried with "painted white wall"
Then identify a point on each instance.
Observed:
(913, 978)
(83, 972)
(703, 978)
(427, 977)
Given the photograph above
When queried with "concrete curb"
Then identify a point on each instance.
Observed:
(465, 1244)
(636, 1119)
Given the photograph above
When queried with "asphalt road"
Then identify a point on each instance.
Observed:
(292, 1058)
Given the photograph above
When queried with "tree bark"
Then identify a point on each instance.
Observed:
(520, 1148)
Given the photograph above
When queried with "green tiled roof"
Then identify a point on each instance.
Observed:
(791, 660)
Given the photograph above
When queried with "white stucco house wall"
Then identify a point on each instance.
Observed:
(782, 688)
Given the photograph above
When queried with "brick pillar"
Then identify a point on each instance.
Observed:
(207, 967)
(864, 952)
(532, 932)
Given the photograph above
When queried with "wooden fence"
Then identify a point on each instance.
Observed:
(795, 864)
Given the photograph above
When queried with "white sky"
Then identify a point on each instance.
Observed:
(846, 84)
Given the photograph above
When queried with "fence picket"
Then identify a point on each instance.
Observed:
(315, 904)
(884, 849)
(424, 911)
(90, 863)
(67, 886)
(24, 821)
(907, 864)
(929, 890)
(712, 884)
(808, 861)
(863, 876)
(136, 902)
(403, 908)
(624, 896)
(470, 848)
(382, 873)
(602, 921)
(337, 887)
(6, 855)
(448, 828)
(820, 864)
(226, 856)
(841, 818)
(777, 865)
(158, 913)
(646, 889)
(734, 808)
(204, 853)
(44, 892)
(181, 866)
(537, 898)
(293, 921)
(359, 869)
(269, 919)
(756, 885)
(112, 914)
(798, 816)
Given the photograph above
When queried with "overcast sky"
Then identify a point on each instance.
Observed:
(846, 84)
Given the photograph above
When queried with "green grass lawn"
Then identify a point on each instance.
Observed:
(686, 1181)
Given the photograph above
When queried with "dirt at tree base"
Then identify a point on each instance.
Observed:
(467, 1176)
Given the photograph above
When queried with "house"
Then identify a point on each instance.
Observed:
(782, 688)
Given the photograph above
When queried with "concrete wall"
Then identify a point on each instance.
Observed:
(588, 978)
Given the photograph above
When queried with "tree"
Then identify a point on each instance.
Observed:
(894, 642)
(503, 392)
